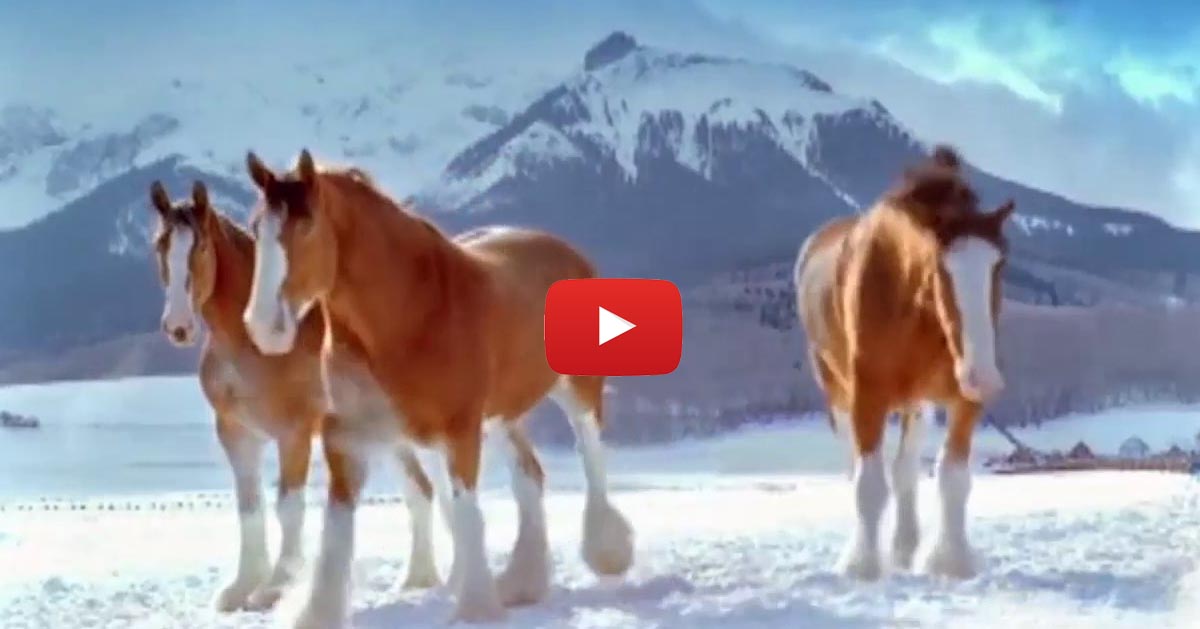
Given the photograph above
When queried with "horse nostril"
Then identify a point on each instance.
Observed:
(179, 334)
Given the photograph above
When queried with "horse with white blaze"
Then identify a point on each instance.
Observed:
(205, 262)
(428, 340)
(900, 306)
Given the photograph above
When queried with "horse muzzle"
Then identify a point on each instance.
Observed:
(273, 329)
(181, 331)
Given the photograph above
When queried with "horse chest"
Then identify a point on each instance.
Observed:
(257, 398)
(364, 410)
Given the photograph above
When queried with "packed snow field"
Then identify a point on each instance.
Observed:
(736, 531)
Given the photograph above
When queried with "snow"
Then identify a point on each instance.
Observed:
(402, 119)
(119, 513)
(1082, 550)
(648, 83)
(688, 98)
(1118, 229)
(537, 145)
(1030, 223)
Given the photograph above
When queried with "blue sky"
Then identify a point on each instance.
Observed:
(1039, 49)
(1098, 100)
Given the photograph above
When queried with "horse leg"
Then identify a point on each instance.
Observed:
(906, 472)
(478, 600)
(295, 453)
(244, 451)
(861, 557)
(844, 428)
(418, 497)
(433, 462)
(607, 536)
(328, 601)
(839, 414)
(951, 554)
(527, 578)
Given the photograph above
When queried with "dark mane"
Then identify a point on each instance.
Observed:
(358, 178)
(233, 232)
(937, 196)
(947, 156)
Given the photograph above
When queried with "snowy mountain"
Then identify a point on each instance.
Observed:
(685, 164)
(402, 121)
(658, 163)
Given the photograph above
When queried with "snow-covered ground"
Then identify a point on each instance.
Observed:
(736, 531)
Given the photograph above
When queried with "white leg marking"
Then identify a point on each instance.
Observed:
(290, 511)
(178, 317)
(526, 579)
(478, 600)
(845, 430)
(328, 602)
(607, 535)
(434, 464)
(861, 557)
(422, 569)
(951, 554)
(906, 474)
(245, 457)
(269, 323)
(969, 262)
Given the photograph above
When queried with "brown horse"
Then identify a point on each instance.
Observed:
(428, 339)
(900, 307)
(205, 263)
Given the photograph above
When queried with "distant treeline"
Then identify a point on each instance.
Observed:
(745, 363)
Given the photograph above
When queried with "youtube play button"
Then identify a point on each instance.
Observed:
(613, 327)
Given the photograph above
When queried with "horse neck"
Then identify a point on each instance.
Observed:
(233, 251)
(376, 239)
(904, 249)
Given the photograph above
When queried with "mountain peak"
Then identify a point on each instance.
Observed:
(611, 48)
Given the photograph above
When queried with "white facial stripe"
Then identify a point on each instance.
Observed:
(270, 270)
(178, 309)
(969, 262)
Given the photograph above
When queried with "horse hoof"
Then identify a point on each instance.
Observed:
(607, 539)
(950, 560)
(479, 612)
(311, 618)
(861, 564)
(233, 597)
(520, 585)
(479, 601)
(421, 579)
(264, 598)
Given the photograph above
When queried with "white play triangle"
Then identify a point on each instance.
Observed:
(612, 326)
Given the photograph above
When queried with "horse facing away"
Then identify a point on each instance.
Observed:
(428, 340)
(900, 307)
(205, 263)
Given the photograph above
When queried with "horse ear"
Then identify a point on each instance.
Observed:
(259, 173)
(945, 156)
(306, 168)
(200, 198)
(159, 198)
(1001, 214)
